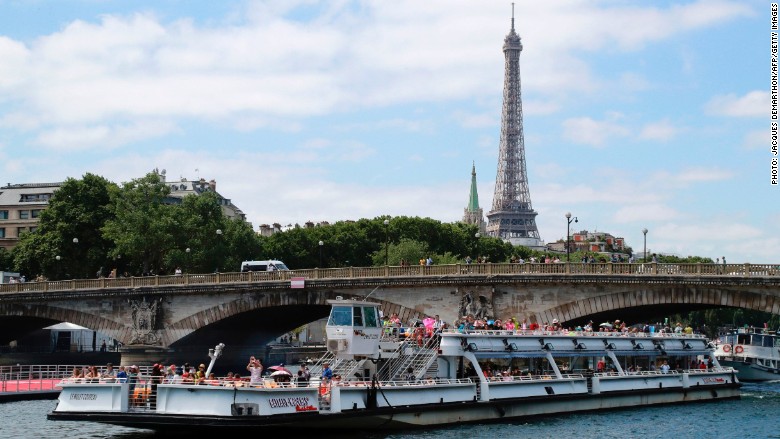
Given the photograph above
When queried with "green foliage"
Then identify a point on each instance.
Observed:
(407, 249)
(78, 210)
(142, 225)
(6, 260)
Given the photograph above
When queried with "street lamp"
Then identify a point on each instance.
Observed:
(219, 244)
(387, 240)
(569, 220)
(644, 252)
(58, 258)
(321, 244)
(187, 261)
(476, 247)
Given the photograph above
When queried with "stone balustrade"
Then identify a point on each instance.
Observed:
(555, 269)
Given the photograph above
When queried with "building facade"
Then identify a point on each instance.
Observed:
(20, 209)
(22, 204)
(512, 217)
(183, 187)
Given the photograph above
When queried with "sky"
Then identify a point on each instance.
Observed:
(636, 114)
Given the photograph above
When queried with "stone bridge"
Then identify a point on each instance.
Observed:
(172, 312)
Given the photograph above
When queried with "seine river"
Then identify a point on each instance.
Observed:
(756, 415)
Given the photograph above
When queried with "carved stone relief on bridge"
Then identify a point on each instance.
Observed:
(144, 316)
(478, 303)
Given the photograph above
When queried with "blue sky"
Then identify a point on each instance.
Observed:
(637, 114)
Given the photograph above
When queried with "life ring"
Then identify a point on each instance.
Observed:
(739, 349)
(727, 348)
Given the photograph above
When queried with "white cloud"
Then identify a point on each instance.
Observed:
(645, 212)
(753, 104)
(473, 120)
(662, 130)
(758, 139)
(588, 131)
(694, 175)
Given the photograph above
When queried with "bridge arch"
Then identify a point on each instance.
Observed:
(634, 301)
(273, 305)
(17, 320)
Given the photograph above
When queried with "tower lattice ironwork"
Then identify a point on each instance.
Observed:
(512, 217)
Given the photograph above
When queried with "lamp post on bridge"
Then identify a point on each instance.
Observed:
(219, 247)
(569, 220)
(476, 247)
(321, 244)
(644, 251)
(387, 240)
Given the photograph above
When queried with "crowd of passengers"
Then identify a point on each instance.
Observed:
(471, 323)
(188, 374)
(423, 330)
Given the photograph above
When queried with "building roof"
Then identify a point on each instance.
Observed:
(27, 193)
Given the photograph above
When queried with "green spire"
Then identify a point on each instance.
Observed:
(473, 197)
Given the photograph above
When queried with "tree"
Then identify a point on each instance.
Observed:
(142, 224)
(407, 249)
(6, 260)
(69, 228)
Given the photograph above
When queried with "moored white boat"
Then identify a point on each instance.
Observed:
(753, 352)
(387, 382)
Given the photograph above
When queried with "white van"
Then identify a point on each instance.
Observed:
(271, 265)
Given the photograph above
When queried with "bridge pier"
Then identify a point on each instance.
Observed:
(145, 355)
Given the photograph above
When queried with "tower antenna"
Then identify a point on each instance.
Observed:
(513, 16)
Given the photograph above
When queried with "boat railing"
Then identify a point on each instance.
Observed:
(520, 332)
(530, 377)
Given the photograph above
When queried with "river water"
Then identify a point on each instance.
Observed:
(755, 415)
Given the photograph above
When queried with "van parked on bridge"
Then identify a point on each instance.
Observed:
(271, 265)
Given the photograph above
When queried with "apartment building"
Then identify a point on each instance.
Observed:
(22, 204)
(20, 208)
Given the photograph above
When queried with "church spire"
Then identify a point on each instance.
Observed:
(472, 214)
(473, 196)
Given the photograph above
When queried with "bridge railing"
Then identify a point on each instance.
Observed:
(556, 269)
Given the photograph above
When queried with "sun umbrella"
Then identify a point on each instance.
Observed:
(281, 372)
(280, 368)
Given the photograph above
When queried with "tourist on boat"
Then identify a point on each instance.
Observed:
(132, 378)
(327, 374)
(109, 374)
(92, 375)
(177, 377)
(156, 377)
(665, 367)
(301, 380)
(170, 374)
(77, 374)
(255, 368)
(200, 374)
(409, 375)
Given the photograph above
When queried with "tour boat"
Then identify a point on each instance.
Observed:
(754, 353)
(388, 381)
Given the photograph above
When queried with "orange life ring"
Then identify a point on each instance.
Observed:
(727, 348)
(739, 349)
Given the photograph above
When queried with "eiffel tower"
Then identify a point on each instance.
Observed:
(512, 218)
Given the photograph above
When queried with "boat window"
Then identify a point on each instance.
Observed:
(757, 340)
(369, 312)
(340, 316)
(743, 339)
(768, 342)
(357, 316)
